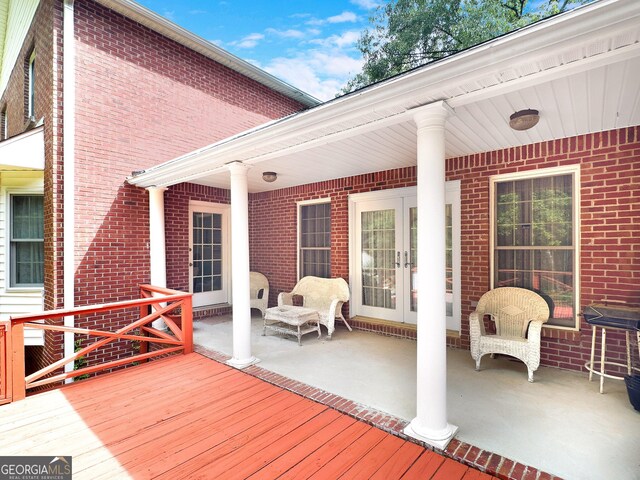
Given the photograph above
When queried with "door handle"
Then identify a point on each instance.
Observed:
(398, 260)
(406, 259)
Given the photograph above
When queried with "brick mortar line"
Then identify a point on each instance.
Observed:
(391, 424)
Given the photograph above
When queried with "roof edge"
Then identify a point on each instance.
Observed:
(169, 29)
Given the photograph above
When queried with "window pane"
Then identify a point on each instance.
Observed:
(534, 219)
(27, 235)
(315, 240)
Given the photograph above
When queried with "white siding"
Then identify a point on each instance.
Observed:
(13, 301)
(18, 15)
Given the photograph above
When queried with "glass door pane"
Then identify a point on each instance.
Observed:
(378, 258)
(378, 285)
(207, 252)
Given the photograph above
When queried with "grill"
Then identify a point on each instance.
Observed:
(615, 317)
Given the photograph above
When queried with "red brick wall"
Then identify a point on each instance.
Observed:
(141, 100)
(274, 254)
(610, 217)
(176, 216)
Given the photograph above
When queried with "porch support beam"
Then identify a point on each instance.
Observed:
(430, 424)
(157, 244)
(242, 357)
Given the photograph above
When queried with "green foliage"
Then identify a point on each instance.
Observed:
(405, 34)
(80, 362)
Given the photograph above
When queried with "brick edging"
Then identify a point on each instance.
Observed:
(467, 454)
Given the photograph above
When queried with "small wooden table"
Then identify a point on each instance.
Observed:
(291, 320)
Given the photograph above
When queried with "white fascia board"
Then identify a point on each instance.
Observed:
(25, 151)
(557, 33)
(157, 23)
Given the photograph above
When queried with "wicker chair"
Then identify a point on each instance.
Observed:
(258, 282)
(325, 295)
(518, 314)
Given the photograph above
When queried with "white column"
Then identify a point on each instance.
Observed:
(430, 424)
(157, 246)
(240, 267)
(68, 144)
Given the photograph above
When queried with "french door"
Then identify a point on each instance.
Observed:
(384, 255)
(209, 253)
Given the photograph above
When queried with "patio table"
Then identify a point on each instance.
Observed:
(291, 320)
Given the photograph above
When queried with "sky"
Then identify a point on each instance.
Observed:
(308, 44)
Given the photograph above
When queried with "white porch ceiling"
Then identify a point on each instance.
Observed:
(23, 152)
(579, 70)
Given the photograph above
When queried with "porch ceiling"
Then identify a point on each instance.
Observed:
(23, 152)
(579, 70)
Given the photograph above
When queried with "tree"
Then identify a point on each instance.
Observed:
(408, 33)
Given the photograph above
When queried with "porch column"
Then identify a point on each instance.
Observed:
(240, 267)
(430, 424)
(157, 246)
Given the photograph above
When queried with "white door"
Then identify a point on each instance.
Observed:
(208, 253)
(385, 248)
(379, 238)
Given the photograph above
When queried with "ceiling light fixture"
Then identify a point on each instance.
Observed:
(524, 119)
(269, 177)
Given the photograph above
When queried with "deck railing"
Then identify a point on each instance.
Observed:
(3, 363)
(155, 304)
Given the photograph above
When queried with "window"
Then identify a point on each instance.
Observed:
(27, 241)
(535, 237)
(315, 239)
(4, 125)
(31, 74)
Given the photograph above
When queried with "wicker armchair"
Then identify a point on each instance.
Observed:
(325, 295)
(258, 282)
(518, 314)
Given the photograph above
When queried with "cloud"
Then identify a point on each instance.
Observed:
(169, 14)
(197, 12)
(344, 17)
(291, 33)
(319, 73)
(300, 15)
(217, 42)
(366, 4)
(343, 40)
(248, 41)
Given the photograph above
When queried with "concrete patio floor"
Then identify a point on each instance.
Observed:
(559, 424)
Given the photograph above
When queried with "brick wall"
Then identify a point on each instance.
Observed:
(141, 100)
(610, 214)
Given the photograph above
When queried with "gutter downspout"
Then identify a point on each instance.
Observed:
(68, 142)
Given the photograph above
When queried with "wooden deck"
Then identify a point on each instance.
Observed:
(191, 417)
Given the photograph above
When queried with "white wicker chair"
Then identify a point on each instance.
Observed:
(258, 282)
(326, 295)
(518, 314)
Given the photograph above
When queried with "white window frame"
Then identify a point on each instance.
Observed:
(9, 229)
(32, 86)
(299, 205)
(530, 174)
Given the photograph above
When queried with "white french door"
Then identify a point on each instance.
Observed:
(384, 255)
(209, 253)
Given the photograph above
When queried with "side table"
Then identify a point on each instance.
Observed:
(292, 320)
